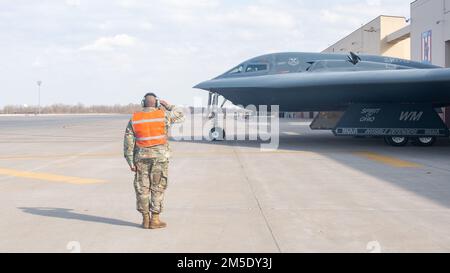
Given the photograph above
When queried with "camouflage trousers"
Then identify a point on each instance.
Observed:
(150, 184)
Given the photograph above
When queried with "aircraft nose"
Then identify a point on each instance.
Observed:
(203, 85)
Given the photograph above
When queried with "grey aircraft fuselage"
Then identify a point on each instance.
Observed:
(331, 82)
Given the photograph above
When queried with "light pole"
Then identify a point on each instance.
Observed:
(39, 83)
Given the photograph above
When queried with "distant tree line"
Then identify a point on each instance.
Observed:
(80, 109)
(71, 109)
(114, 109)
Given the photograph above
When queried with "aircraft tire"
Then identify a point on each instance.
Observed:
(425, 141)
(217, 134)
(397, 141)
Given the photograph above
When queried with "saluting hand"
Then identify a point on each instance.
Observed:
(164, 103)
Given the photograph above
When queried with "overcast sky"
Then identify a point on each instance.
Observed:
(113, 51)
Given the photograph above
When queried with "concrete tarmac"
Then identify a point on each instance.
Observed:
(65, 186)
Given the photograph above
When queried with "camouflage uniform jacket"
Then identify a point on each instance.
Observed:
(134, 153)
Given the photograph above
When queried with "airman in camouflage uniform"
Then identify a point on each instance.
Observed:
(151, 164)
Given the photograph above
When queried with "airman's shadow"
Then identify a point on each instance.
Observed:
(68, 214)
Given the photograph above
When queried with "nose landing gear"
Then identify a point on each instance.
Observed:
(216, 133)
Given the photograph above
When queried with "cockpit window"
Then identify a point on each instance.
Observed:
(237, 70)
(256, 67)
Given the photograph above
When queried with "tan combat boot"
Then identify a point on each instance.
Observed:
(146, 220)
(155, 223)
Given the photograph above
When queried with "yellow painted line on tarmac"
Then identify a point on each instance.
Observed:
(175, 154)
(388, 160)
(45, 157)
(233, 153)
(49, 177)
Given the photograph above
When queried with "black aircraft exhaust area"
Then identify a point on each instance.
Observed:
(356, 95)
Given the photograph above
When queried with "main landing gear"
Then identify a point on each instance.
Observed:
(399, 141)
(424, 141)
(396, 141)
(398, 123)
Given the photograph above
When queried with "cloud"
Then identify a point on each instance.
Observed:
(111, 43)
(73, 3)
(193, 4)
(38, 62)
(146, 25)
(373, 2)
(255, 16)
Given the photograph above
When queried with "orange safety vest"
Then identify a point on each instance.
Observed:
(149, 128)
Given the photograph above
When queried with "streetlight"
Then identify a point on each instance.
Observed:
(39, 83)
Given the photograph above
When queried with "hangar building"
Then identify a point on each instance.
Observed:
(425, 37)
